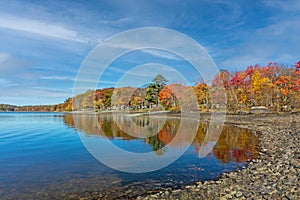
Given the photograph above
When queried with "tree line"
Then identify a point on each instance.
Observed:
(274, 86)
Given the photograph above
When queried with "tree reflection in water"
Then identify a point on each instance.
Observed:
(234, 144)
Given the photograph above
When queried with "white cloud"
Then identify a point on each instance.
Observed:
(53, 90)
(144, 74)
(241, 62)
(40, 28)
(118, 70)
(3, 57)
(118, 22)
(33, 96)
(5, 83)
(282, 30)
(287, 5)
(58, 78)
(276, 42)
(161, 54)
(8, 63)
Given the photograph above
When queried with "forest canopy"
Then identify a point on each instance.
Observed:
(274, 86)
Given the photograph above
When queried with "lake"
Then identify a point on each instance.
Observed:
(44, 155)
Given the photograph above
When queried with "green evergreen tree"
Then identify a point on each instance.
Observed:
(157, 84)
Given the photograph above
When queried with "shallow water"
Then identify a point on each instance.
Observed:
(42, 155)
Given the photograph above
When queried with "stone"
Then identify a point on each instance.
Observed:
(260, 110)
(238, 194)
(154, 196)
(176, 191)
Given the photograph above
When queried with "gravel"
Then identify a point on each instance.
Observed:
(274, 175)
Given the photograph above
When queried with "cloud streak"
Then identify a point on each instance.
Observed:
(161, 54)
(287, 5)
(41, 28)
(5, 83)
(58, 78)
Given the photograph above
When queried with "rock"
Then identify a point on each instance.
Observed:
(271, 191)
(176, 191)
(286, 182)
(238, 194)
(248, 194)
(243, 112)
(227, 190)
(198, 183)
(154, 196)
(259, 110)
(264, 150)
(291, 197)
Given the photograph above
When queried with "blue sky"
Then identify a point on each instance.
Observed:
(43, 43)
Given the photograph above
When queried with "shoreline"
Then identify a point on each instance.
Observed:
(274, 175)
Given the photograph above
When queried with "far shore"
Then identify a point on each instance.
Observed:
(145, 112)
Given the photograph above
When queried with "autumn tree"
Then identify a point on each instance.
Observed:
(102, 98)
(68, 104)
(203, 95)
(167, 97)
(260, 87)
(219, 89)
(137, 99)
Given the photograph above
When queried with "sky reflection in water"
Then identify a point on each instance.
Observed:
(42, 156)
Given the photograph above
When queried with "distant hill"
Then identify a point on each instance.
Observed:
(36, 108)
(7, 107)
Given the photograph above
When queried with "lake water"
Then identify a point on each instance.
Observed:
(42, 155)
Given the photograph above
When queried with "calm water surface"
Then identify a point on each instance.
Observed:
(42, 156)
